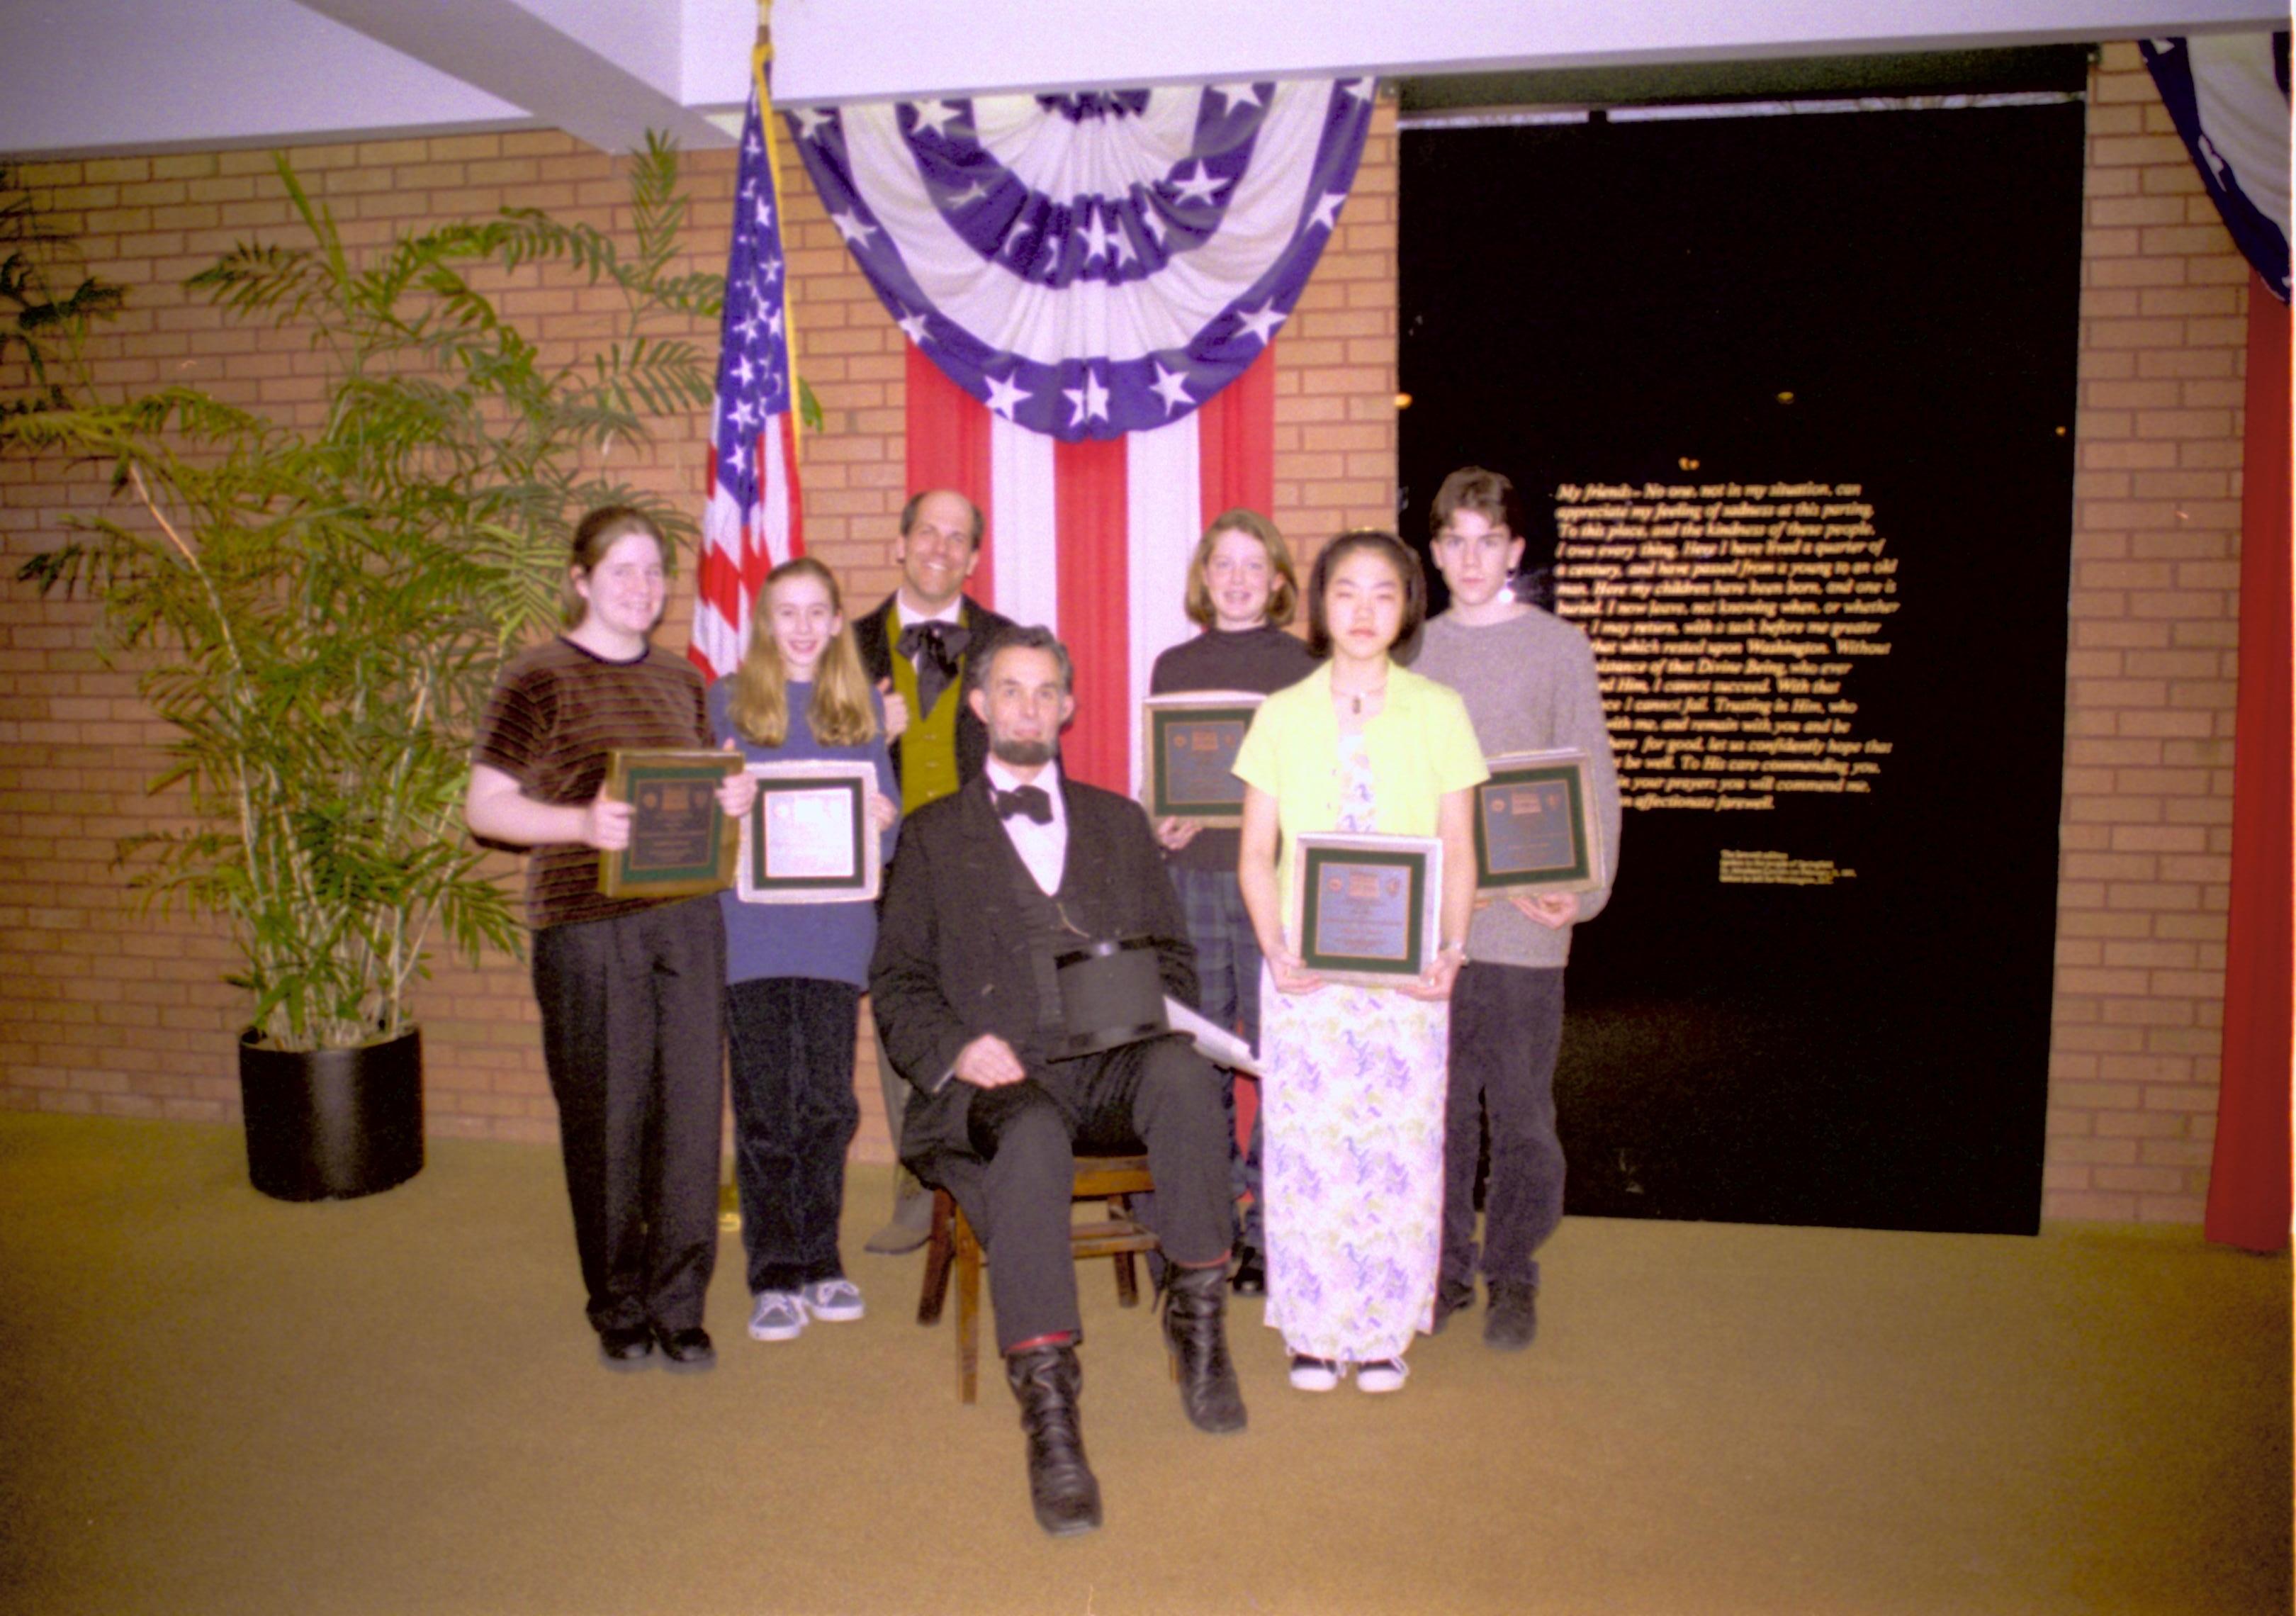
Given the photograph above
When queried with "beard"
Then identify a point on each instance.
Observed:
(1020, 754)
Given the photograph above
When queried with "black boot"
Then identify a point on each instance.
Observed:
(1046, 1380)
(1251, 1272)
(1196, 1330)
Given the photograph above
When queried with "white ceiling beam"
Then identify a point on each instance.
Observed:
(616, 75)
(87, 78)
(862, 50)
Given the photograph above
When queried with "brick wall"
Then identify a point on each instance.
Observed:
(2148, 682)
(101, 1010)
(106, 1008)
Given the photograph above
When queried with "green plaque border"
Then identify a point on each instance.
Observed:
(1417, 861)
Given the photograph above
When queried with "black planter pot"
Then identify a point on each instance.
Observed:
(330, 1124)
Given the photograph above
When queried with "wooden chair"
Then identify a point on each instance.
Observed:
(1118, 1234)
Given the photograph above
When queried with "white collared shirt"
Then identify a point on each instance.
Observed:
(1043, 847)
(953, 614)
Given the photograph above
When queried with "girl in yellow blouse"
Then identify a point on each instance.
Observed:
(1354, 1083)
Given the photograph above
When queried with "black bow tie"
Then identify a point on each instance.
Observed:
(1027, 799)
(941, 644)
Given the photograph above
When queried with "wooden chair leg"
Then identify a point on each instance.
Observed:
(1127, 1278)
(968, 1312)
(955, 1253)
(937, 1255)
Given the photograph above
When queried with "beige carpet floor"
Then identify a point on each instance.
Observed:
(214, 1402)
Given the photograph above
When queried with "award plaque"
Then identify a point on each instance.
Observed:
(809, 838)
(1535, 826)
(681, 843)
(1366, 907)
(1188, 744)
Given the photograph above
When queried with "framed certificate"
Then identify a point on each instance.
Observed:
(1535, 826)
(681, 843)
(808, 839)
(1366, 907)
(1188, 744)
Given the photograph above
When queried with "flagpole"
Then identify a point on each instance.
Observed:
(761, 75)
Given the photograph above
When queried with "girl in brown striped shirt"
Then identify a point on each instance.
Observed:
(631, 989)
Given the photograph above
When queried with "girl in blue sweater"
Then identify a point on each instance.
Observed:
(794, 974)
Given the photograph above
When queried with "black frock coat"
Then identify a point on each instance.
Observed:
(954, 951)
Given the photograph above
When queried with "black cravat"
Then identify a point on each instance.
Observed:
(942, 644)
(1027, 799)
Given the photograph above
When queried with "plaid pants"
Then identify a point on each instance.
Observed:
(1227, 974)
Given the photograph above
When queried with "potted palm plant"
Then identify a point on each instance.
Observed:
(316, 609)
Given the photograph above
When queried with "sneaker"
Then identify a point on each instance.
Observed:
(832, 1301)
(1313, 1374)
(778, 1316)
(1513, 1322)
(1451, 1296)
(1384, 1375)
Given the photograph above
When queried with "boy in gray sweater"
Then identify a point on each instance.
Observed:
(1530, 684)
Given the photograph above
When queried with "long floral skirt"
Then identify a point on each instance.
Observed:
(1353, 1166)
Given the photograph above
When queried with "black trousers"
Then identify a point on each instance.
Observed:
(794, 1114)
(1158, 1093)
(634, 1036)
(1506, 1029)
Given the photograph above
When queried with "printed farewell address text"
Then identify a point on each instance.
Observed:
(1730, 623)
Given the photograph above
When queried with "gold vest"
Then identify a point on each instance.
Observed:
(929, 745)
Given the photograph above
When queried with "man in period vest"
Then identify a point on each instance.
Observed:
(916, 646)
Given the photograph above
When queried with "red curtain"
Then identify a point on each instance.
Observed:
(1089, 490)
(949, 449)
(2249, 1179)
(1236, 454)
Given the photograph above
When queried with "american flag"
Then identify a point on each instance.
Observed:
(753, 519)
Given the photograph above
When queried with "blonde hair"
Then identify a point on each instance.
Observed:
(1283, 597)
(841, 713)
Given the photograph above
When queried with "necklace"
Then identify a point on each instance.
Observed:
(1356, 697)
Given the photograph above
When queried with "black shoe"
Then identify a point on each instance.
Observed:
(1046, 1380)
(910, 1227)
(1512, 1323)
(1195, 1334)
(627, 1348)
(687, 1351)
(1451, 1298)
(1251, 1272)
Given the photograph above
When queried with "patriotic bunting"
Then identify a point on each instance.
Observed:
(1089, 265)
(2227, 94)
(1083, 280)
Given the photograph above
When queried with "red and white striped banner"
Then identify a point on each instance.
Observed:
(1093, 539)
